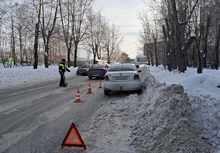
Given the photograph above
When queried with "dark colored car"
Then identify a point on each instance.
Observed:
(83, 70)
(97, 71)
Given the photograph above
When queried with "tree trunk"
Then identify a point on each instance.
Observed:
(46, 56)
(199, 65)
(172, 60)
(206, 40)
(36, 46)
(94, 57)
(146, 53)
(187, 45)
(178, 51)
(21, 47)
(155, 50)
(68, 56)
(166, 43)
(36, 37)
(13, 42)
(95, 53)
(193, 60)
(108, 55)
(75, 54)
(217, 49)
(176, 36)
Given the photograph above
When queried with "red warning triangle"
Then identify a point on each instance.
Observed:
(77, 140)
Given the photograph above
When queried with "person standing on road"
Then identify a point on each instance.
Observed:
(62, 70)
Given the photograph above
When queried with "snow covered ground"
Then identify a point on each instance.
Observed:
(176, 113)
(22, 76)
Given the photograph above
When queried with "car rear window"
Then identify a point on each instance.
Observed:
(122, 68)
(98, 66)
(84, 66)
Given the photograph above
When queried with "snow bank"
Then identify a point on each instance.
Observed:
(26, 75)
(169, 122)
(163, 119)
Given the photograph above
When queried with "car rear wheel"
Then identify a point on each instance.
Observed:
(90, 78)
(139, 91)
(106, 92)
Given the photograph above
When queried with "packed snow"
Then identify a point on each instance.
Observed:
(176, 113)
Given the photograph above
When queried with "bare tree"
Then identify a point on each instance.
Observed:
(177, 16)
(146, 36)
(12, 38)
(113, 38)
(21, 25)
(72, 14)
(5, 7)
(179, 19)
(96, 30)
(153, 31)
(49, 17)
(37, 26)
(7, 18)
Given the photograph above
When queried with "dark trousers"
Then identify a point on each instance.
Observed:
(62, 79)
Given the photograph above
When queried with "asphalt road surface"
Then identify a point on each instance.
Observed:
(36, 118)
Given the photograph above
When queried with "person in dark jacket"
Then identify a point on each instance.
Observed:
(62, 69)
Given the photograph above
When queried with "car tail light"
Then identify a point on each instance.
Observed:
(136, 77)
(106, 78)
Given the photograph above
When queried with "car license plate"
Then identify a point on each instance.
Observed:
(121, 78)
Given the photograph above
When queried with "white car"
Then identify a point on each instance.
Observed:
(122, 77)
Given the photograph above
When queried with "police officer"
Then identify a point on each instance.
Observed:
(62, 70)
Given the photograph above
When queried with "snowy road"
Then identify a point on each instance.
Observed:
(37, 118)
(180, 116)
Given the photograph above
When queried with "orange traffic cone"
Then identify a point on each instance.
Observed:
(78, 97)
(100, 84)
(89, 90)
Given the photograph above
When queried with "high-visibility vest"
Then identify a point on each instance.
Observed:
(62, 66)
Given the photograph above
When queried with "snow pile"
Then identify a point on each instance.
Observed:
(168, 124)
(163, 119)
